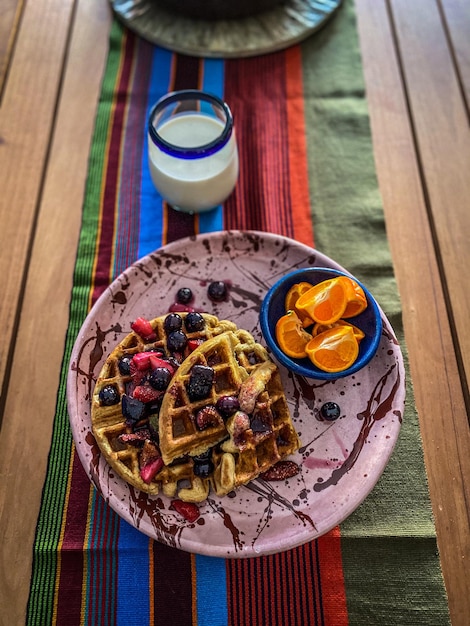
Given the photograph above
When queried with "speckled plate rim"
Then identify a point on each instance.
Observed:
(270, 31)
(262, 517)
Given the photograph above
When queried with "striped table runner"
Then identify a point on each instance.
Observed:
(307, 172)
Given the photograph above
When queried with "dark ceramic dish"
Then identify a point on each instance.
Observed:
(218, 9)
(272, 308)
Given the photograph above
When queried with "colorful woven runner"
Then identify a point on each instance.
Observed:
(307, 172)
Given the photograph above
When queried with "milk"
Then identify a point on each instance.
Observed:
(193, 184)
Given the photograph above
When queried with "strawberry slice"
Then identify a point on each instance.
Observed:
(188, 510)
(142, 327)
(151, 469)
(145, 393)
(156, 361)
(140, 362)
(194, 343)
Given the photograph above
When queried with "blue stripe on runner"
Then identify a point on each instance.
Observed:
(213, 82)
(133, 577)
(101, 586)
(211, 579)
(151, 206)
(211, 583)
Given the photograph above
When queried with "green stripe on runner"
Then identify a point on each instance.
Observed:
(44, 568)
(350, 227)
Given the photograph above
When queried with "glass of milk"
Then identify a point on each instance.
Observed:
(193, 155)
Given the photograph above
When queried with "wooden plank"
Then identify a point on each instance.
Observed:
(443, 136)
(26, 119)
(10, 13)
(40, 341)
(434, 367)
(456, 15)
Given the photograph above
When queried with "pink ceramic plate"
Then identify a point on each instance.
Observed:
(340, 461)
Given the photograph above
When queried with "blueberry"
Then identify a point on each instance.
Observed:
(184, 295)
(124, 364)
(159, 378)
(330, 411)
(200, 382)
(176, 341)
(194, 322)
(257, 425)
(108, 395)
(132, 409)
(217, 291)
(203, 469)
(172, 322)
(227, 405)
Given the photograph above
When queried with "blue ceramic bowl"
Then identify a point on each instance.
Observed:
(272, 308)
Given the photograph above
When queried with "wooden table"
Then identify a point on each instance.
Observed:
(417, 69)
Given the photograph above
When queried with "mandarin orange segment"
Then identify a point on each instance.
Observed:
(320, 328)
(357, 302)
(292, 296)
(290, 335)
(325, 302)
(333, 350)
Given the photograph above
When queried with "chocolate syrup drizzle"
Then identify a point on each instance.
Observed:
(377, 408)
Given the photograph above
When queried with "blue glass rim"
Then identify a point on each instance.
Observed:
(196, 152)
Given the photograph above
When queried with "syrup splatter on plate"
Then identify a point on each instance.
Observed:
(341, 460)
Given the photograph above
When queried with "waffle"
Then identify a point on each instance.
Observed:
(179, 433)
(236, 448)
(255, 445)
(109, 425)
(250, 441)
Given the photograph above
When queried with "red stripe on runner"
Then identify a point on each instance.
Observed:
(334, 601)
(298, 171)
(72, 559)
(127, 244)
(255, 89)
(281, 588)
(172, 591)
(110, 192)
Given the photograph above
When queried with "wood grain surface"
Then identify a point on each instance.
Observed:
(416, 59)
